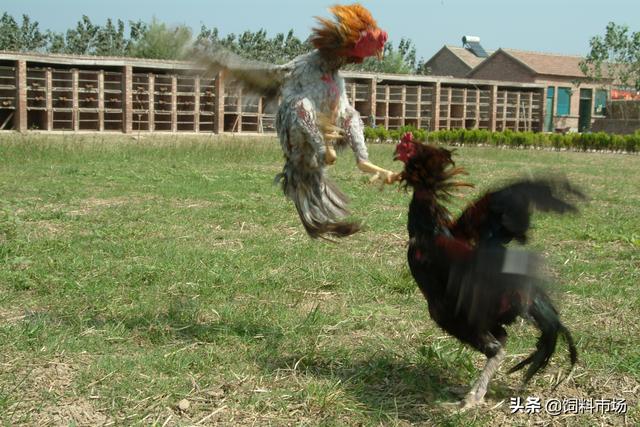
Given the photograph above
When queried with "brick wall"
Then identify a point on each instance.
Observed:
(445, 63)
(616, 126)
(570, 121)
(624, 110)
(21, 96)
(127, 94)
(502, 67)
(623, 117)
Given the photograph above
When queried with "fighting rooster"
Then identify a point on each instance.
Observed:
(473, 284)
(314, 113)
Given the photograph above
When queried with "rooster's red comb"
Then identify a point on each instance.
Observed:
(407, 137)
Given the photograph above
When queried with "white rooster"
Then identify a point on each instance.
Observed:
(314, 113)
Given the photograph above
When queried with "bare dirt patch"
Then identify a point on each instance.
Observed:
(91, 205)
(11, 316)
(43, 396)
(45, 229)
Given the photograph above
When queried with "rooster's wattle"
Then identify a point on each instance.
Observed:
(314, 113)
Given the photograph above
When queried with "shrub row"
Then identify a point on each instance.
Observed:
(574, 141)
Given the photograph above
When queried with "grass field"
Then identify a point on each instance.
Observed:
(136, 274)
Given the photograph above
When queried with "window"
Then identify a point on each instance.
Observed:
(564, 101)
(600, 104)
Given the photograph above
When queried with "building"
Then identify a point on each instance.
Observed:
(102, 94)
(571, 101)
(455, 61)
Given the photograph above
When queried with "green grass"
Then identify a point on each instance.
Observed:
(135, 274)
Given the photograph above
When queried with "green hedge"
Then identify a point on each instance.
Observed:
(576, 141)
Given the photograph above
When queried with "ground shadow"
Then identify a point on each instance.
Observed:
(386, 384)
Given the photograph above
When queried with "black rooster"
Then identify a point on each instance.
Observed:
(474, 285)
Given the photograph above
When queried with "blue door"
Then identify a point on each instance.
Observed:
(548, 114)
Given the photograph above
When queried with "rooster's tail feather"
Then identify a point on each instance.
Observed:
(546, 319)
(320, 204)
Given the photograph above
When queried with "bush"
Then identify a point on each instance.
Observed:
(617, 142)
(420, 135)
(396, 134)
(382, 134)
(632, 142)
(370, 134)
(576, 141)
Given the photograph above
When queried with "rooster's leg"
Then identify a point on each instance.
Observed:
(330, 155)
(479, 388)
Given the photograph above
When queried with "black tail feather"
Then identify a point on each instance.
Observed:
(547, 320)
(573, 351)
(553, 194)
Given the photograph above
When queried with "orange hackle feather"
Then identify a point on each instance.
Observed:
(340, 37)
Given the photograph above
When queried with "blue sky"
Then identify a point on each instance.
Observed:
(560, 26)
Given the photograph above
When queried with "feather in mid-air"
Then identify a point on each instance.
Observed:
(474, 284)
(314, 113)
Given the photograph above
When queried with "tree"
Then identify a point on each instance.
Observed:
(88, 38)
(160, 41)
(282, 48)
(31, 38)
(57, 43)
(614, 56)
(407, 51)
(256, 45)
(137, 30)
(400, 61)
(80, 40)
(293, 46)
(25, 37)
(110, 40)
(421, 67)
(9, 33)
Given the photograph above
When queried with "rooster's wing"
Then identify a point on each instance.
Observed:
(488, 280)
(254, 77)
(503, 215)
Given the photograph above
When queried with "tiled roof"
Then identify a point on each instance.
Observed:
(466, 55)
(549, 63)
